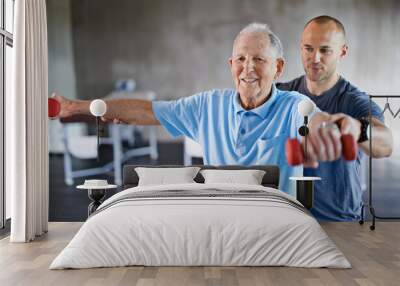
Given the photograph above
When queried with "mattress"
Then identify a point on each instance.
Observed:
(201, 225)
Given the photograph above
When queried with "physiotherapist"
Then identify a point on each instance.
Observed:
(245, 126)
(338, 196)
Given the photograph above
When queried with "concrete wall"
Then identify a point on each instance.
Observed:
(60, 42)
(61, 61)
(179, 47)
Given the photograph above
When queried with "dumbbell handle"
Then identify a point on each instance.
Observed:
(295, 154)
(350, 147)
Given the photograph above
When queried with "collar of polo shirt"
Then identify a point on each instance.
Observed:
(261, 110)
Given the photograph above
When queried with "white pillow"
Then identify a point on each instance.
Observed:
(248, 177)
(164, 176)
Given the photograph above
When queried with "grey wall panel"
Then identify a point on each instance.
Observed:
(178, 47)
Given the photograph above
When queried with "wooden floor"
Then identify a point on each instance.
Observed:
(374, 255)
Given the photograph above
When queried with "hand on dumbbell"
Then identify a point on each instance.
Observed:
(330, 136)
(60, 107)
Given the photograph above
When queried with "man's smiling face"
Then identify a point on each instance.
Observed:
(254, 68)
(322, 47)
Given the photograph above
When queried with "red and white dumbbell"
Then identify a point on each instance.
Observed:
(294, 151)
(295, 154)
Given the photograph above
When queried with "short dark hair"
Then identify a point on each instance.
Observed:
(323, 19)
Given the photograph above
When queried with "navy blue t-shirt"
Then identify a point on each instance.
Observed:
(338, 196)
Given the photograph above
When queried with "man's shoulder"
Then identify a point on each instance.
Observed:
(356, 102)
(211, 98)
(290, 95)
(295, 84)
(352, 92)
(216, 92)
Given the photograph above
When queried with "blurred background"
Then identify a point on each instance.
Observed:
(171, 49)
(163, 50)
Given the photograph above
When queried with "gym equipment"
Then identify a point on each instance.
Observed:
(369, 205)
(98, 108)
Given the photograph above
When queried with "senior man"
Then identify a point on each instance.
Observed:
(245, 126)
(338, 196)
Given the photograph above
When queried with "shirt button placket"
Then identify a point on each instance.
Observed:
(240, 147)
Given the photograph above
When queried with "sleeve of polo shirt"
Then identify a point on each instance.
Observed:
(182, 116)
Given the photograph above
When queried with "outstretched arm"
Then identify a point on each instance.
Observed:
(129, 111)
(325, 144)
(382, 141)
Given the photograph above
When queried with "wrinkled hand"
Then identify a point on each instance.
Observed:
(68, 108)
(65, 104)
(324, 139)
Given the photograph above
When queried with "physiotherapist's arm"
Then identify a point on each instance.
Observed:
(129, 111)
(326, 145)
(382, 140)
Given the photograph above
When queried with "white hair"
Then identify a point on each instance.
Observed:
(264, 29)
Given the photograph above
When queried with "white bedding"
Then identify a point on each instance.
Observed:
(182, 231)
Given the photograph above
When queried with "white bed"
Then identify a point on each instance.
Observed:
(201, 224)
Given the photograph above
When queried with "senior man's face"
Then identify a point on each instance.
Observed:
(322, 46)
(254, 68)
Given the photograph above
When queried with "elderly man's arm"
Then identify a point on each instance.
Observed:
(325, 143)
(129, 111)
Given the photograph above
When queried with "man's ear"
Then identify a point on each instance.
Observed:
(280, 63)
(230, 62)
(344, 51)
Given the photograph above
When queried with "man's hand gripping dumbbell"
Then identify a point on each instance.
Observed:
(329, 137)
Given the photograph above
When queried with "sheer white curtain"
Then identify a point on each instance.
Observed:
(26, 132)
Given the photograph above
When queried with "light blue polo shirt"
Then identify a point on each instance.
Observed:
(231, 135)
